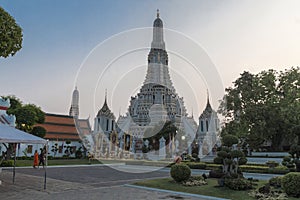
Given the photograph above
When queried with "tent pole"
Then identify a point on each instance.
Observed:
(46, 164)
(15, 158)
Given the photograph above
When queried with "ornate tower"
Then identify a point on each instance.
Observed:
(105, 120)
(157, 98)
(74, 110)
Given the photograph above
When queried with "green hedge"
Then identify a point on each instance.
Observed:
(7, 163)
(196, 165)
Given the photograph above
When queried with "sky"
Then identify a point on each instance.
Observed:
(98, 45)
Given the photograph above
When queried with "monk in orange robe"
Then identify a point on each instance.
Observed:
(35, 159)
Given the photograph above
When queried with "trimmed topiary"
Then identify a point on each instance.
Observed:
(291, 184)
(180, 172)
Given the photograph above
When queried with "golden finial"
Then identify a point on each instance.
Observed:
(157, 13)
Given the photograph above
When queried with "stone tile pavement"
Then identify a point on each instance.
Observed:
(31, 187)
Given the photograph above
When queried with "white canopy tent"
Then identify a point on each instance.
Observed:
(11, 135)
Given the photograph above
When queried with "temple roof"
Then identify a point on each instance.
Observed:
(105, 111)
(208, 111)
(60, 127)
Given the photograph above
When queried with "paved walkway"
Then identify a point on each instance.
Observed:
(68, 183)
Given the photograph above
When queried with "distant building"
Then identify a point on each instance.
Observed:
(62, 131)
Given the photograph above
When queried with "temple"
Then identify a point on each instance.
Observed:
(156, 104)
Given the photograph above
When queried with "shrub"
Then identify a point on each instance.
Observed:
(291, 184)
(238, 184)
(275, 181)
(180, 172)
(216, 174)
(195, 181)
(7, 163)
(288, 162)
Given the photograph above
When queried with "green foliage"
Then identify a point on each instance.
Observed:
(228, 157)
(218, 160)
(291, 184)
(278, 170)
(238, 184)
(263, 107)
(180, 172)
(222, 154)
(38, 131)
(236, 154)
(216, 174)
(198, 165)
(229, 140)
(275, 181)
(10, 35)
(7, 163)
(26, 115)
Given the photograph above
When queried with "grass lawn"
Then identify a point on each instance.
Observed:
(210, 189)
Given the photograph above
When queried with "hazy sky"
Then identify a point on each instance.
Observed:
(61, 37)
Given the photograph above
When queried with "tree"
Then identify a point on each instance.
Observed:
(27, 115)
(38, 131)
(11, 36)
(263, 107)
(229, 157)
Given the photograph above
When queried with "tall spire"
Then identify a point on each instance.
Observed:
(105, 96)
(158, 37)
(158, 71)
(208, 106)
(74, 109)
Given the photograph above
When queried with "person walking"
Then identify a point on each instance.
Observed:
(42, 158)
(35, 159)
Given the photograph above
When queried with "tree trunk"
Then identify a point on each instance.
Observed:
(277, 142)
